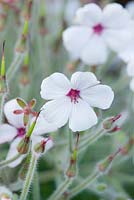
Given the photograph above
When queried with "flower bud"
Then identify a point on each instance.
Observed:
(104, 165)
(41, 145)
(23, 146)
(127, 147)
(109, 124)
(101, 187)
(72, 169)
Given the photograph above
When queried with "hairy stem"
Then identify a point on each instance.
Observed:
(18, 58)
(84, 184)
(91, 140)
(62, 188)
(36, 187)
(29, 178)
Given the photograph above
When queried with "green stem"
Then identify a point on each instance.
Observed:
(2, 101)
(14, 66)
(84, 184)
(36, 187)
(29, 178)
(7, 162)
(91, 140)
(62, 188)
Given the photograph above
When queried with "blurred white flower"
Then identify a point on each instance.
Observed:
(5, 193)
(97, 31)
(132, 84)
(74, 100)
(127, 54)
(130, 8)
(14, 130)
(70, 10)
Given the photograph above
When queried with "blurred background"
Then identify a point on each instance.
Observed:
(48, 18)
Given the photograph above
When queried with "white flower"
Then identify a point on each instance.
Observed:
(15, 130)
(97, 31)
(132, 84)
(74, 100)
(5, 194)
(130, 8)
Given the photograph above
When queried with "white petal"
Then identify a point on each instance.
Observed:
(132, 84)
(130, 68)
(42, 126)
(82, 117)
(115, 16)
(95, 51)
(127, 54)
(89, 15)
(82, 80)
(13, 152)
(100, 96)
(15, 120)
(54, 86)
(117, 40)
(75, 39)
(130, 8)
(7, 133)
(57, 111)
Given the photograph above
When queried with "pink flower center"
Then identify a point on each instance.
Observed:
(98, 29)
(21, 132)
(74, 95)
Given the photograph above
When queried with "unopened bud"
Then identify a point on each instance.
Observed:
(106, 163)
(40, 147)
(127, 147)
(109, 124)
(72, 169)
(23, 146)
(22, 42)
(101, 187)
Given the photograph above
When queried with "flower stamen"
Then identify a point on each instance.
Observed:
(74, 95)
(98, 29)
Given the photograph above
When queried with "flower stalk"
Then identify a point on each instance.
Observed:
(102, 168)
(29, 177)
(3, 83)
(60, 191)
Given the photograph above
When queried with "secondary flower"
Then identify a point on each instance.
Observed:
(5, 194)
(97, 31)
(127, 54)
(73, 100)
(15, 130)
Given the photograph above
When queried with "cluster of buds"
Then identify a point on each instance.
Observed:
(27, 109)
(110, 124)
